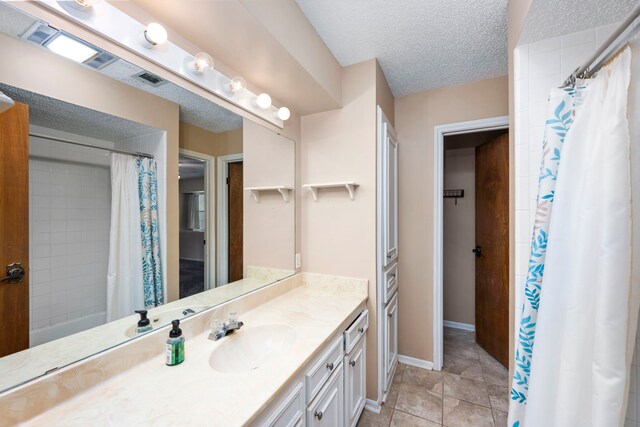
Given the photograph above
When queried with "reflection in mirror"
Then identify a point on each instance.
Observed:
(96, 234)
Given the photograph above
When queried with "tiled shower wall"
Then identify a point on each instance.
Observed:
(540, 66)
(69, 219)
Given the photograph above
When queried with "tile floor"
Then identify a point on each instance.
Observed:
(471, 391)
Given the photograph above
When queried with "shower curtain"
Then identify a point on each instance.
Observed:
(134, 274)
(193, 214)
(581, 304)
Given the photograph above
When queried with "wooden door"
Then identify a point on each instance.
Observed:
(355, 383)
(327, 409)
(391, 195)
(236, 197)
(390, 340)
(492, 238)
(14, 227)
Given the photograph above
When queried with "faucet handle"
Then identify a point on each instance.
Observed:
(216, 325)
(233, 317)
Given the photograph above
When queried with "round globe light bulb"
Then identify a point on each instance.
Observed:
(155, 34)
(283, 113)
(263, 101)
(237, 85)
(202, 62)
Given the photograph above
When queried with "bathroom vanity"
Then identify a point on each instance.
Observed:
(298, 360)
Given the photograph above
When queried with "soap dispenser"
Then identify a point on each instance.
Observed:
(175, 345)
(144, 325)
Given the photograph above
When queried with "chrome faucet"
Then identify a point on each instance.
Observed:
(221, 329)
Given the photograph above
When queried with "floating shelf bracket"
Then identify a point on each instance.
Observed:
(283, 190)
(349, 185)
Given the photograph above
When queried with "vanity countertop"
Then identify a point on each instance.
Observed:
(193, 393)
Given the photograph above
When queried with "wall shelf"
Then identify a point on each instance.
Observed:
(255, 191)
(349, 185)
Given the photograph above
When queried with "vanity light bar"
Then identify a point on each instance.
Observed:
(151, 42)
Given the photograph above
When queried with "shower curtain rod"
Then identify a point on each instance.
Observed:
(607, 50)
(81, 144)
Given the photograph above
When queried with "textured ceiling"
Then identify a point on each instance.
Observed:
(420, 44)
(551, 18)
(59, 115)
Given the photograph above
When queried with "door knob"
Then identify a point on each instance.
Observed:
(477, 250)
(15, 273)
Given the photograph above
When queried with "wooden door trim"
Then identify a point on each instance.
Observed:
(222, 215)
(210, 229)
(439, 132)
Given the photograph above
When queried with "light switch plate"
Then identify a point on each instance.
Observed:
(298, 264)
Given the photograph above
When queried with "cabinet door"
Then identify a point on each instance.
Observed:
(390, 340)
(327, 409)
(390, 188)
(355, 383)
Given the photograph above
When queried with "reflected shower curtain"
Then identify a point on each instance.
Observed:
(579, 306)
(193, 216)
(150, 233)
(134, 273)
(124, 271)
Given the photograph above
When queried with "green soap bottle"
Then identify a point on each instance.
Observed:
(175, 345)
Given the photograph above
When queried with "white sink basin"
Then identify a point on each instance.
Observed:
(250, 348)
(160, 318)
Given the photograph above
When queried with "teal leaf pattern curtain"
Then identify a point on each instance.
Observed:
(561, 111)
(150, 235)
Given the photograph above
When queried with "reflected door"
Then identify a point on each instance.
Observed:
(492, 250)
(14, 227)
(235, 221)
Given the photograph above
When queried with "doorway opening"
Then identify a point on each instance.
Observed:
(230, 219)
(471, 253)
(197, 256)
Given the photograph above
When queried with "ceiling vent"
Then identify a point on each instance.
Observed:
(101, 60)
(150, 79)
(39, 33)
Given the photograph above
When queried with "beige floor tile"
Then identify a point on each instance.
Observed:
(466, 389)
(499, 397)
(370, 419)
(401, 419)
(397, 377)
(466, 368)
(500, 418)
(392, 396)
(460, 349)
(427, 379)
(458, 413)
(495, 373)
(416, 400)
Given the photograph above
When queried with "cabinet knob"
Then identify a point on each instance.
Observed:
(390, 314)
(318, 415)
(352, 363)
(330, 366)
(361, 330)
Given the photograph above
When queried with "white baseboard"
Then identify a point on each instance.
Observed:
(458, 325)
(372, 406)
(418, 363)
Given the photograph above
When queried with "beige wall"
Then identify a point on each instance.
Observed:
(415, 117)
(202, 141)
(81, 86)
(459, 236)
(517, 11)
(269, 225)
(339, 235)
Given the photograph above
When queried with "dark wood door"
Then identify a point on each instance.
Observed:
(492, 236)
(14, 227)
(236, 195)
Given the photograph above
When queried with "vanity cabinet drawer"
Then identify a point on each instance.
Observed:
(328, 408)
(356, 331)
(390, 282)
(329, 362)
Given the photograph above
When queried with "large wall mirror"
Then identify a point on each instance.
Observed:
(107, 218)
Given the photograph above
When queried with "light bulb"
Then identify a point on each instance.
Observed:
(202, 62)
(237, 85)
(155, 34)
(263, 101)
(283, 113)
